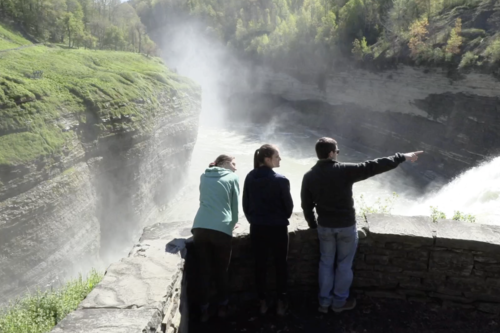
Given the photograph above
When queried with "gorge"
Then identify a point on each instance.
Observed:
(67, 212)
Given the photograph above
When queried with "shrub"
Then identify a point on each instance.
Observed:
(468, 59)
(437, 55)
(459, 216)
(473, 33)
(437, 214)
(379, 207)
(360, 48)
(492, 52)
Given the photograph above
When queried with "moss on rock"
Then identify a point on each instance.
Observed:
(42, 88)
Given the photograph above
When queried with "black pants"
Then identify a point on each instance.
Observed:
(273, 239)
(213, 252)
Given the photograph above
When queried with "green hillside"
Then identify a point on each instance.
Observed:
(42, 88)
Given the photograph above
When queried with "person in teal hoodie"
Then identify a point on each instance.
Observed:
(213, 229)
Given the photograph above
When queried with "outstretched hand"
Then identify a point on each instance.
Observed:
(412, 156)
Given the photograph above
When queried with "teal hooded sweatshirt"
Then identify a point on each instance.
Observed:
(219, 192)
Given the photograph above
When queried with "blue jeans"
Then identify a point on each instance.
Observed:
(335, 278)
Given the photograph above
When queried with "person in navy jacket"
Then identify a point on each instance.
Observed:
(268, 204)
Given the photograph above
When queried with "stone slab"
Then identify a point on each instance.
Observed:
(407, 229)
(468, 236)
(110, 321)
(135, 282)
(297, 223)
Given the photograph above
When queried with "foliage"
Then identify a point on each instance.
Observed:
(302, 33)
(459, 216)
(468, 59)
(41, 311)
(101, 24)
(360, 48)
(381, 206)
(492, 53)
(107, 92)
(455, 40)
(436, 214)
(418, 36)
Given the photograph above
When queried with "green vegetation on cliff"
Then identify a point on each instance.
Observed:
(41, 311)
(313, 33)
(45, 92)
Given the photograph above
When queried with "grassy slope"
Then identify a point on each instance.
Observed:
(96, 86)
(10, 40)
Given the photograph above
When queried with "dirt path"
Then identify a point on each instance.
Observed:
(19, 48)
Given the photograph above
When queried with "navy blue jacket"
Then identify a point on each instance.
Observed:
(266, 198)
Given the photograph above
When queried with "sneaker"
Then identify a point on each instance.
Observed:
(323, 309)
(282, 307)
(263, 307)
(349, 305)
(204, 315)
(222, 313)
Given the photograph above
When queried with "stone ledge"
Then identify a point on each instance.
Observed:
(468, 236)
(110, 321)
(405, 229)
(134, 282)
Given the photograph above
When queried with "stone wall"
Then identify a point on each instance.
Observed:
(449, 262)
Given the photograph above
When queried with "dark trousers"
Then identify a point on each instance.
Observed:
(213, 252)
(274, 239)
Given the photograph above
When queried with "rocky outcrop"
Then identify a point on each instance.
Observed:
(453, 117)
(63, 213)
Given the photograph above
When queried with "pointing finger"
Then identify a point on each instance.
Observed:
(419, 152)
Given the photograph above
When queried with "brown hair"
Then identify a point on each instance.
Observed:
(264, 151)
(324, 146)
(221, 159)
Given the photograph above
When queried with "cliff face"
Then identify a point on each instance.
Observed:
(80, 206)
(455, 120)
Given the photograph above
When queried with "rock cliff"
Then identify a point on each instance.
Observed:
(454, 118)
(121, 159)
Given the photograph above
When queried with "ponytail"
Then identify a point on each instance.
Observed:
(256, 162)
(260, 155)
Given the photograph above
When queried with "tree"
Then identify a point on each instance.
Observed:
(360, 48)
(113, 37)
(418, 35)
(73, 21)
(141, 32)
(455, 40)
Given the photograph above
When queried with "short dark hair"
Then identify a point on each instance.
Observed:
(324, 146)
